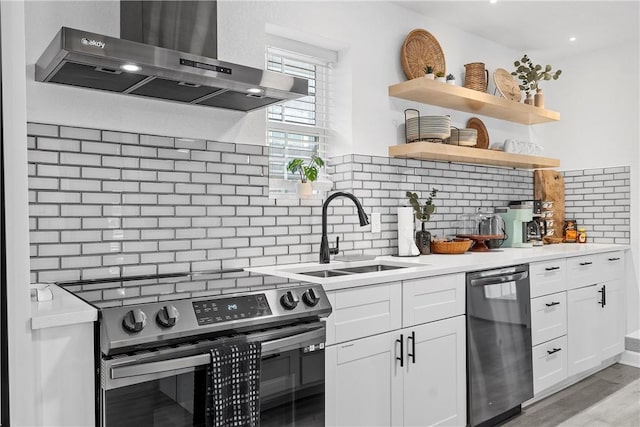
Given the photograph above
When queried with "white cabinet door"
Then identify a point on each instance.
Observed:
(434, 392)
(612, 319)
(361, 378)
(548, 317)
(584, 329)
(432, 298)
(363, 311)
(549, 364)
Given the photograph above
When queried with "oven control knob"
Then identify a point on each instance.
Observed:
(289, 300)
(310, 297)
(167, 316)
(135, 320)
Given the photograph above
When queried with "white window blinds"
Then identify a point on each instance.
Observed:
(297, 128)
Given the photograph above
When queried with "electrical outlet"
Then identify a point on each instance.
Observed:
(376, 227)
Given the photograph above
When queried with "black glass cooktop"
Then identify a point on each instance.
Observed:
(119, 291)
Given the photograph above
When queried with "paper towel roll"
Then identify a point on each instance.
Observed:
(406, 221)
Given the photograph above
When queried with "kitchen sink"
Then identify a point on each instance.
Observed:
(376, 266)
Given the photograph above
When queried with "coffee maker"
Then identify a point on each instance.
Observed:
(516, 219)
(535, 229)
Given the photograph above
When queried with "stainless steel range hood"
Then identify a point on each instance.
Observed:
(89, 60)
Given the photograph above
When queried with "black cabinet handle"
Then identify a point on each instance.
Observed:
(401, 358)
(551, 304)
(412, 355)
(552, 268)
(555, 350)
(603, 300)
(614, 259)
(586, 263)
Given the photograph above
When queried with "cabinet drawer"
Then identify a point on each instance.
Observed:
(584, 270)
(548, 317)
(364, 311)
(613, 265)
(549, 364)
(548, 277)
(432, 298)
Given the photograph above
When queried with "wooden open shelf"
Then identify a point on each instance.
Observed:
(471, 101)
(454, 153)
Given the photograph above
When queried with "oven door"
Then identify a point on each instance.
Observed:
(167, 387)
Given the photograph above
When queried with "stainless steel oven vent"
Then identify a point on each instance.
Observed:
(147, 63)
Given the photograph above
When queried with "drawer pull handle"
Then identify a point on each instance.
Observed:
(551, 304)
(412, 355)
(401, 358)
(586, 263)
(614, 259)
(555, 350)
(552, 268)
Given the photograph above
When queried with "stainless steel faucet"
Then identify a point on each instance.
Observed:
(325, 250)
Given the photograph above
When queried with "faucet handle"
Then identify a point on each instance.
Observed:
(334, 251)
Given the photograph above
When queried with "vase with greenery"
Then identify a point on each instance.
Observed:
(530, 76)
(308, 173)
(423, 213)
(428, 72)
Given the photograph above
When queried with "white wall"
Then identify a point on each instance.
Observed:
(22, 396)
(598, 96)
(367, 35)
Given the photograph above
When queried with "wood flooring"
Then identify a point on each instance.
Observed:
(609, 398)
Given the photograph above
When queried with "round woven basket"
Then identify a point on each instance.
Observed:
(476, 77)
(455, 247)
(420, 49)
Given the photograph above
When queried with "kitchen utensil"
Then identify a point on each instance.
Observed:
(510, 146)
(507, 85)
(420, 49)
(476, 77)
(492, 224)
(483, 135)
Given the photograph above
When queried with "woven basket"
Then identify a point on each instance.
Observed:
(476, 77)
(455, 247)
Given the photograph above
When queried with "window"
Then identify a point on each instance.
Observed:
(297, 128)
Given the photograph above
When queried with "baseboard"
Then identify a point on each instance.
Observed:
(630, 358)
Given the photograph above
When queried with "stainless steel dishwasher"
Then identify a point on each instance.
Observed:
(499, 360)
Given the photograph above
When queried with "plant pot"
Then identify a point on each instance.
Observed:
(528, 99)
(423, 241)
(430, 76)
(538, 99)
(441, 79)
(451, 82)
(304, 190)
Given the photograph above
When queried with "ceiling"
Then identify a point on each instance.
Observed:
(541, 27)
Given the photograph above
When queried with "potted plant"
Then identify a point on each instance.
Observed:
(308, 173)
(451, 79)
(530, 75)
(440, 76)
(428, 72)
(423, 213)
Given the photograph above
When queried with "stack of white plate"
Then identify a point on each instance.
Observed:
(428, 127)
(464, 137)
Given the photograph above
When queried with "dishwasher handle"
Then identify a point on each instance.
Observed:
(496, 280)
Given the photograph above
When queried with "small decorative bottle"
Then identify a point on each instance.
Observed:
(582, 235)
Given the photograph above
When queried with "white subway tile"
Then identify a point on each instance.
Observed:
(101, 198)
(59, 171)
(42, 129)
(101, 223)
(164, 153)
(191, 144)
(174, 245)
(81, 262)
(139, 270)
(37, 156)
(174, 199)
(138, 151)
(57, 197)
(206, 244)
(120, 235)
(120, 186)
(205, 156)
(120, 259)
(80, 236)
(139, 199)
(120, 162)
(155, 164)
(191, 256)
(101, 173)
(188, 166)
(79, 133)
(119, 293)
(44, 210)
(58, 275)
(55, 144)
(140, 222)
(79, 185)
(191, 233)
(173, 268)
(43, 263)
(206, 178)
(156, 187)
(101, 248)
(158, 141)
(118, 210)
(190, 188)
(58, 223)
(139, 175)
(43, 183)
(191, 211)
(127, 138)
(158, 257)
(157, 234)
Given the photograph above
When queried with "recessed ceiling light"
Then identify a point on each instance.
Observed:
(130, 67)
(254, 90)
(572, 39)
(493, 1)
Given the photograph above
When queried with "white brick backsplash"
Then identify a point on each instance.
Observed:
(179, 204)
(81, 262)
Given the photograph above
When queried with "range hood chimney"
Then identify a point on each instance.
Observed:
(167, 51)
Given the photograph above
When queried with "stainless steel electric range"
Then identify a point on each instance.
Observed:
(156, 340)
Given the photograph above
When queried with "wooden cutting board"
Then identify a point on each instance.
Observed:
(548, 185)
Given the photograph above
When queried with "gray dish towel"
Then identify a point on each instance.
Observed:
(233, 386)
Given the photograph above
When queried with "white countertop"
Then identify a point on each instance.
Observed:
(434, 265)
(64, 309)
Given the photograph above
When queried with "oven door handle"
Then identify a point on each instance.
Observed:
(268, 347)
